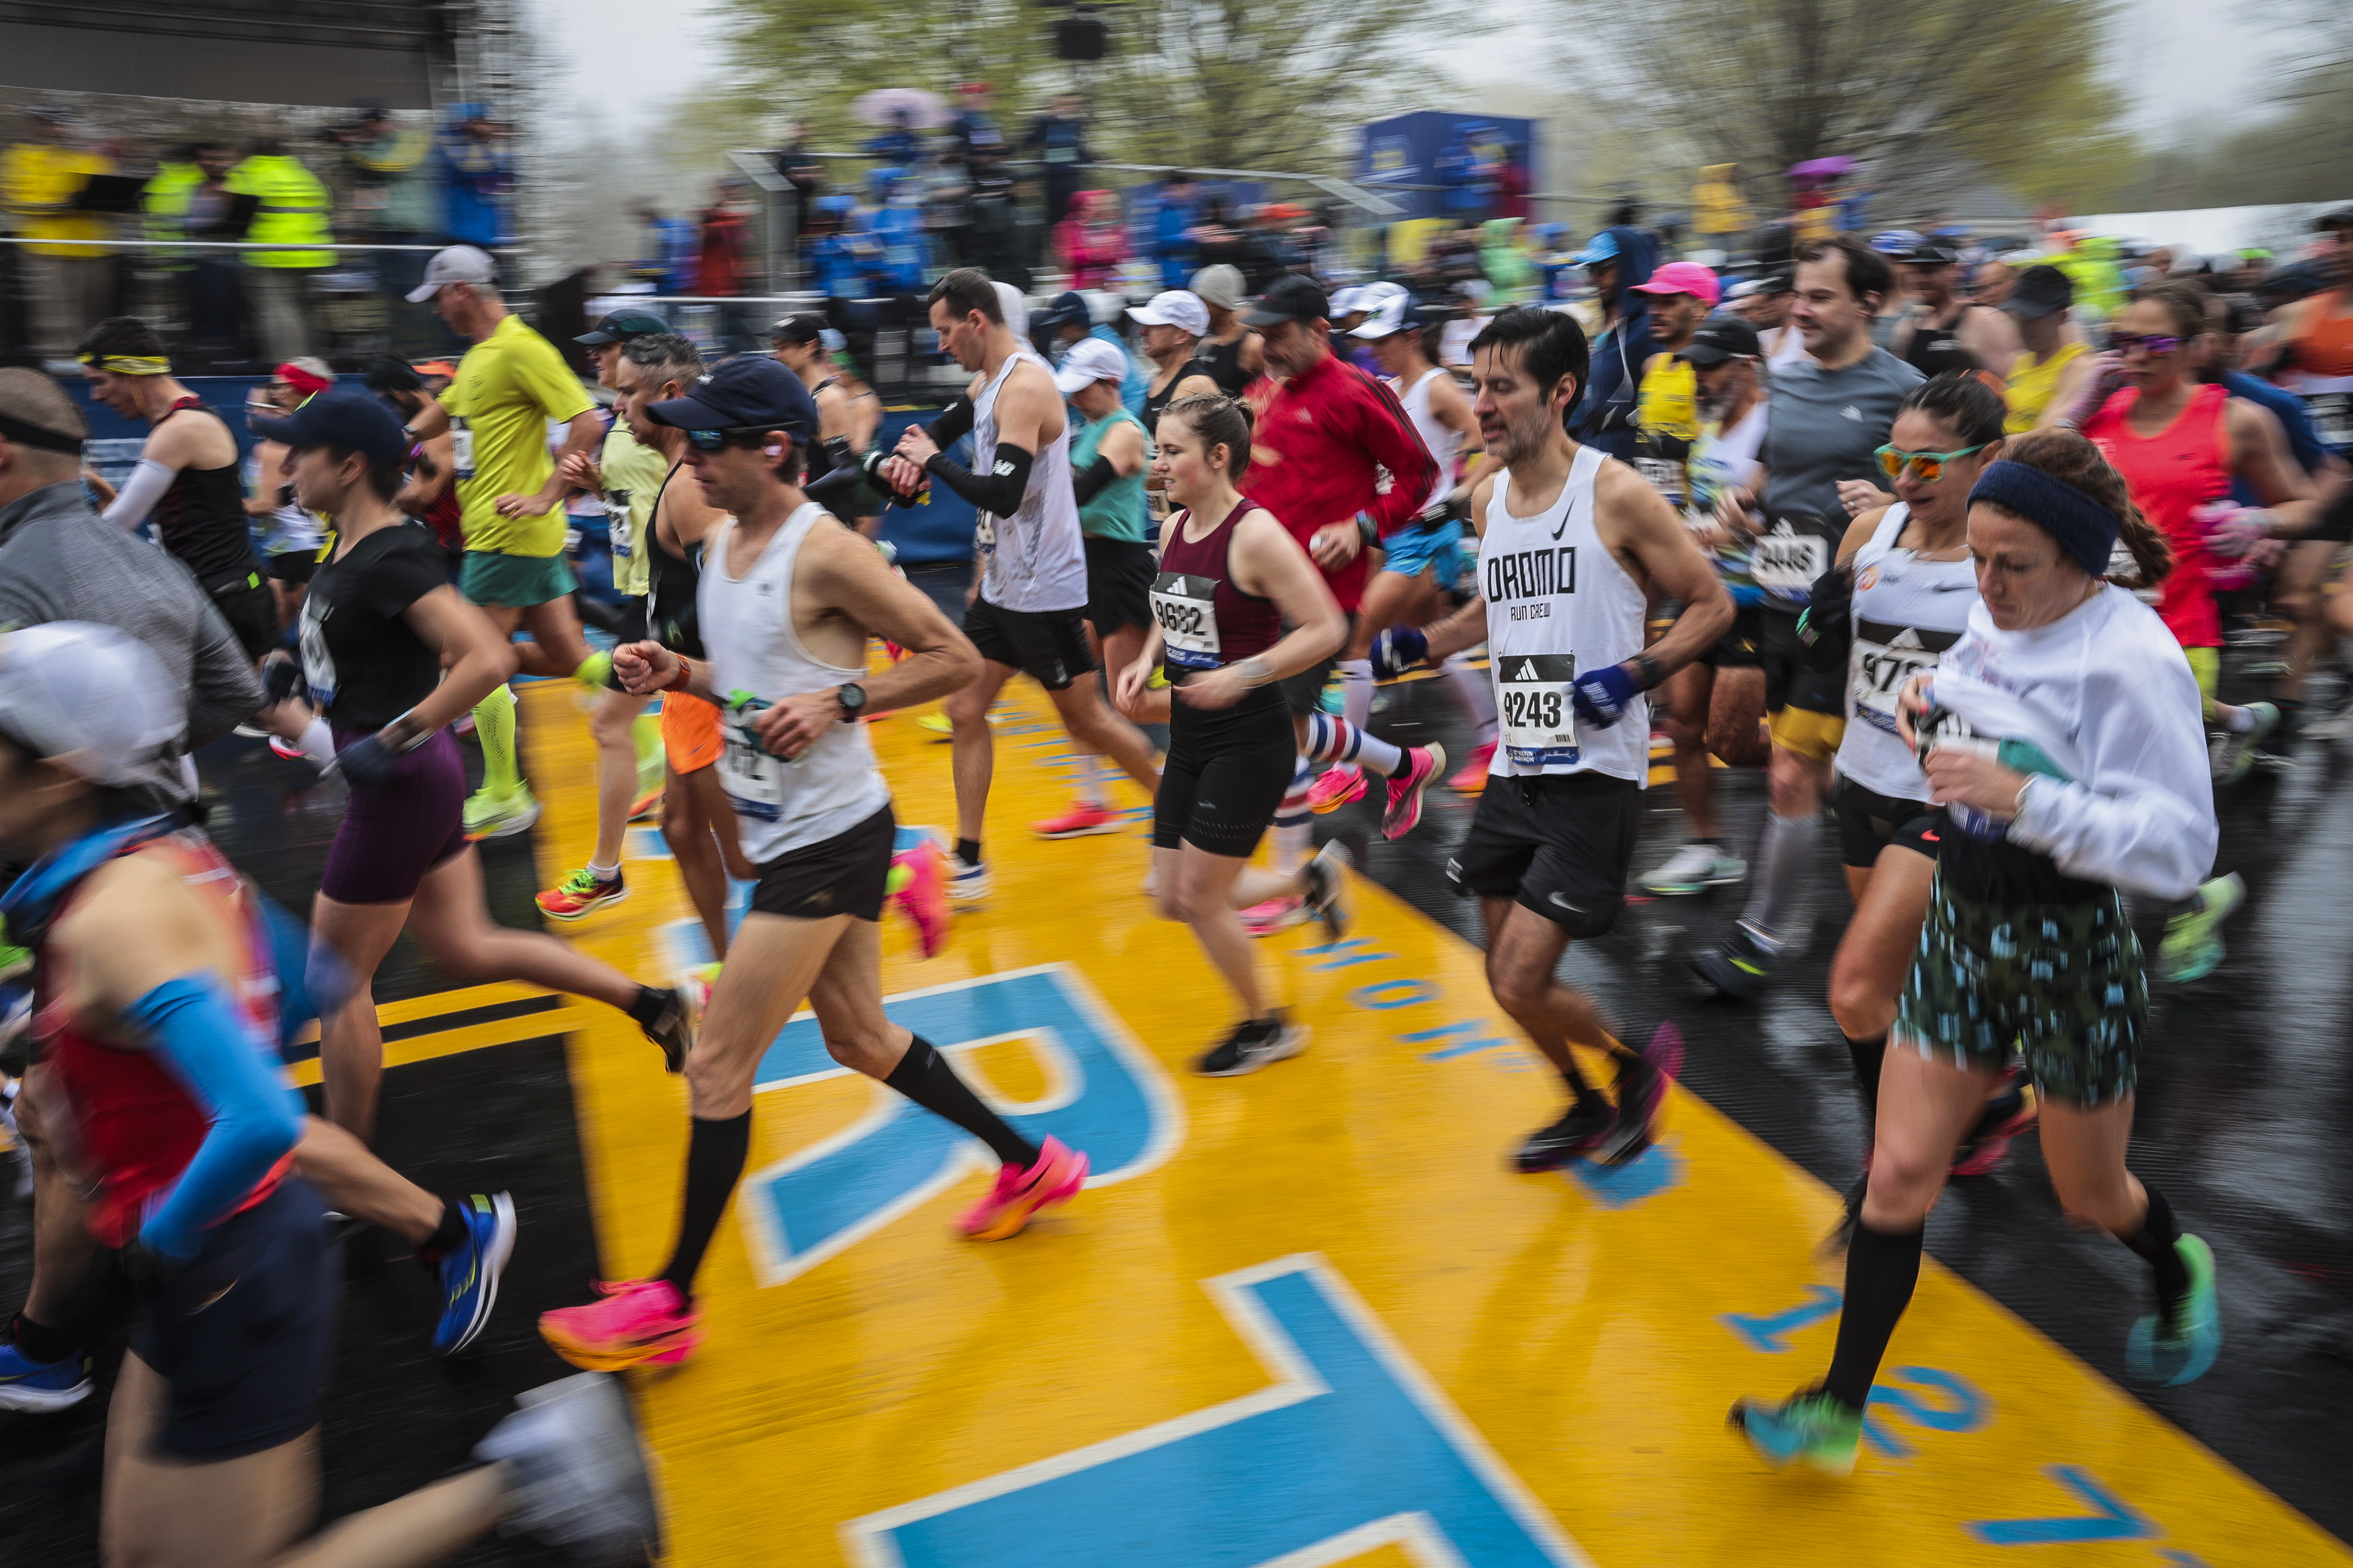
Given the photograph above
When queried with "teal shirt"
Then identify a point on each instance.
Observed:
(1117, 510)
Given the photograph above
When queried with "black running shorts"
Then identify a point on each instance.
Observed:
(1048, 645)
(1118, 584)
(1742, 648)
(1225, 774)
(844, 875)
(1560, 843)
(1869, 821)
(251, 611)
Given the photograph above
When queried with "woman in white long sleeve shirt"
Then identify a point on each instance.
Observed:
(2063, 735)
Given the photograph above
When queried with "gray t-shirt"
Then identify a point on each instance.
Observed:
(1821, 426)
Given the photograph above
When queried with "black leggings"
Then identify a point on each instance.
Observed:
(1225, 774)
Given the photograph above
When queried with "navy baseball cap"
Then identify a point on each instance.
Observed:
(353, 420)
(620, 326)
(1070, 308)
(748, 392)
(1721, 338)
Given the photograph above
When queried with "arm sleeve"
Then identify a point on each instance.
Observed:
(1397, 446)
(140, 493)
(999, 490)
(954, 424)
(199, 1037)
(1096, 480)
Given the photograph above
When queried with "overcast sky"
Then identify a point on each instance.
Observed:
(2185, 67)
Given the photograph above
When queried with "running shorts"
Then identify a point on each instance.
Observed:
(243, 1336)
(844, 875)
(1869, 821)
(2061, 982)
(1741, 648)
(250, 609)
(1434, 547)
(293, 565)
(689, 733)
(632, 611)
(514, 581)
(1304, 692)
(1048, 645)
(2336, 525)
(1787, 682)
(394, 832)
(1560, 843)
(1118, 584)
(1225, 774)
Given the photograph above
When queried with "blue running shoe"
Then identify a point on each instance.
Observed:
(2177, 1347)
(470, 1273)
(1809, 1429)
(41, 1386)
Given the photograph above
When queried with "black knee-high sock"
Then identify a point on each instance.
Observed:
(925, 1077)
(2154, 1241)
(1882, 1268)
(714, 1159)
(1868, 1055)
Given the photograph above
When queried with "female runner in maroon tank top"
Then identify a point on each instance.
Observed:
(1225, 590)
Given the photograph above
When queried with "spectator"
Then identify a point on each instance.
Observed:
(1220, 245)
(946, 215)
(903, 265)
(974, 126)
(724, 235)
(1172, 228)
(838, 256)
(189, 198)
(70, 287)
(899, 145)
(393, 202)
(1059, 135)
(291, 210)
(1090, 242)
(800, 169)
(993, 240)
(1512, 184)
(477, 172)
(670, 248)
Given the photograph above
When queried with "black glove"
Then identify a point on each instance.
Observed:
(368, 761)
(281, 679)
(1826, 626)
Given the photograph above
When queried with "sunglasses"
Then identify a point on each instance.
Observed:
(1927, 468)
(2124, 342)
(718, 440)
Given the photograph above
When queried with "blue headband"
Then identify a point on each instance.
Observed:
(2083, 528)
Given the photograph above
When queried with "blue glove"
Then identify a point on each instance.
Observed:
(1600, 696)
(367, 762)
(1396, 650)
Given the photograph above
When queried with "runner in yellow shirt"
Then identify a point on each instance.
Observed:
(2046, 375)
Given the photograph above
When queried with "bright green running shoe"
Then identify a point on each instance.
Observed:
(2170, 1349)
(2192, 948)
(492, 815)
(1809, 1427)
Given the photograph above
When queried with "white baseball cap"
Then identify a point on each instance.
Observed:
(1388, 316)
(93, 698)
(1014, 306)
(1173, 308)
(456, 264)
(1091, 360)
(1347, 300)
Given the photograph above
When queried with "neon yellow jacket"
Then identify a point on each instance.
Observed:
(294, 211)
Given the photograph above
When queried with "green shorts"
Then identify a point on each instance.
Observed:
(514, 581)
(2062, 983)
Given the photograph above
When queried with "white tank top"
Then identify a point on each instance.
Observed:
(1443, 444)
(1558, 604)
(1036, 559)
(1906, 613)
(756, 661)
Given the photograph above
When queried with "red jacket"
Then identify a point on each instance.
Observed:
(1317, 455)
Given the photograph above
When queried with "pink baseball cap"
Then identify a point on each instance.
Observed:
(1684, 278)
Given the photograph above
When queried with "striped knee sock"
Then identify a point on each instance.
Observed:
(1334, 740)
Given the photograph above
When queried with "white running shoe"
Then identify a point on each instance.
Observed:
(1693, 868)
(579, 1472)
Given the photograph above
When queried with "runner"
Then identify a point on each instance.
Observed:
(158, 1011)
(510, 383)
(1028, 615)
(2053, 366)
(788, 605)
(1223, 596)
(430, 496)
(1716, 703)
(627, 474)
(1174, 322)
(186, 478)
(1824, 423)
(379, 625)
(797, 343)
(1943, 332)
(2097, 785)
(290, 537)
(1108, 458)
(2314, 353)
(1231, 352)
(1566, 583)
(1766, 306)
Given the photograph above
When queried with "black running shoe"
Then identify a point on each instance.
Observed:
(1253, 1044)
(1738, 970)
(1578, 1129)
(1643, 1080)
(1328, 879)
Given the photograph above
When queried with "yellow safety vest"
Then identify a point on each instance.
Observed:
(36, 182)
(166, 198)
(294, 211)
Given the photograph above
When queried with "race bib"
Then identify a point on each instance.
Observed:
(2332, 419)
(1878, 670)
(318, 663)
(1666, 476)
(984, 532)
(1785, 562)
(753, 777)
(461, 446)
(1539, 721)
(616, 524)
(1186, 610)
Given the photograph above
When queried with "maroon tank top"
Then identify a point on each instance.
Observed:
(1204, 621)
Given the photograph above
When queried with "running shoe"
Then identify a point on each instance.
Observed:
(1327, 881)
(39, 1387)
(1339, 783)
(648, 806)
(1423, 765)
(1276, 915)
(919, 887)
(1022, 1192)
(578, 1472)
(492, 815)
(1740, 968)
(673, 1027)
(580, 893)
(1643, 1080)
(2192, 948)
(631, 1323)
(252, 733)
(1473, 778)
(1694, 868)
(2235, 753)
(470, 1271)
(2011, 1112)
(289, 751)
(966, 883)
(2177, 1347)
(1809, 1429)
(1579, 1128)
(1083, 819)
(1254, 1044)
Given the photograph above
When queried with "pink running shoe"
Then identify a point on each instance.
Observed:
(1422, 766)
(919, 887)
(634, 1322)
(1341, 782)
(1472, 778)
(1275, 915)
(2011, 1110)
(1084, 818)
(1020, 1194)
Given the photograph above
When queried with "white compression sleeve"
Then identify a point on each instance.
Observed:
(140, 493)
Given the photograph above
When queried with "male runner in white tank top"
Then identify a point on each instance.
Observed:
(1573, 546)
(787, 600)
(1028, 610)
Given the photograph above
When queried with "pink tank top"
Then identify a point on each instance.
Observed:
(2170, 474)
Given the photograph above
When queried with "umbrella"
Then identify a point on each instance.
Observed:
(883, 106)
(1819, 168)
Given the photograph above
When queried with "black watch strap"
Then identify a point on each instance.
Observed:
(852, 698)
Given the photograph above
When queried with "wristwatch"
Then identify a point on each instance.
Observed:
(852, 698)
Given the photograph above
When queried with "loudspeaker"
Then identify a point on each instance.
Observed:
(1079, 38)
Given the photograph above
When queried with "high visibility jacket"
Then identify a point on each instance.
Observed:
(294, 211)
(166, 198)
(36, 182)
